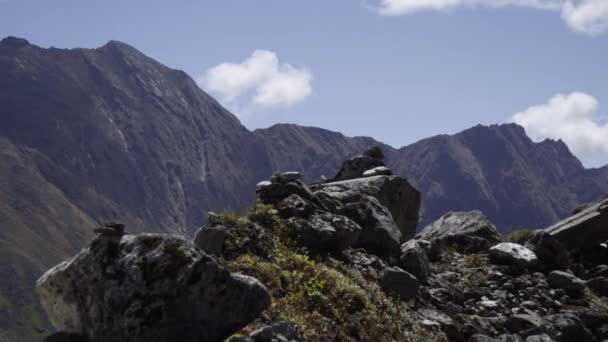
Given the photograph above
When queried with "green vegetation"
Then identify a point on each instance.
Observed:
(33, 321)
(322, 297)
(519, 236)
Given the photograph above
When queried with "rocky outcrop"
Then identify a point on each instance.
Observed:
(356, 166)
(467, 231)
(148, 287)
(393, 192)
(585, 230)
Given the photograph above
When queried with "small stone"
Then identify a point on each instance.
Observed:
(566, 281)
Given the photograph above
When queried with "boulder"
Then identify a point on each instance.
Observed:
(323, 232)
(583, 230)
(566, 281)
(513, 255)
(148, 287)
(396, 281)
(211, 239)
(550, 252)
(465, 231)
(374, 152)
(354, 167)
(276, 191)
(393, 192)
(379, 234)
(415, 261)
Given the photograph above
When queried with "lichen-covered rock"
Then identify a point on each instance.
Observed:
(513, 255)
(148, 288)
(466, 231)
(414, 260)
(393, 192)
(324, 232)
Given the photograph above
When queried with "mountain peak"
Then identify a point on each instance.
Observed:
(14, 42)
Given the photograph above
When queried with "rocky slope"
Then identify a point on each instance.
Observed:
(90, 135)
(496, 169)
(93, 135)
(324, 262)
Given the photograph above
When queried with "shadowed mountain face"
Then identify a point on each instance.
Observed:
(516, 182)
(88, 136)
(92, 135)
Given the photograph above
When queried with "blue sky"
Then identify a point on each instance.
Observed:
(380, 69)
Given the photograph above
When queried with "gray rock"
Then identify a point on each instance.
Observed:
(567, 327)
(294, 205)
(262, 185)
(378, 171)
(415, 261)
(277, 191)
(211, 239)
(550, 252)
(599, 285)
(514, 255)
(148, 288)
(539, 338)
(323, 232)
(268, 333)
(374, 152)
(379, 234)
(448, 325)
(393, 192)
(520, 322)
(400, 283)
(566, 281)
(466, 231)
(354, 167)
(286, 177)
(583, 230)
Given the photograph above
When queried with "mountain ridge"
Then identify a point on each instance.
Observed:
(93, 135)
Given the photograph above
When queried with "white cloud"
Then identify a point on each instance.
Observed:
(573, 118)
(260, 80)
(586, 16)
(590, 16)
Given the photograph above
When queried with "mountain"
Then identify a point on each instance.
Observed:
(94, 135)
(497, 169)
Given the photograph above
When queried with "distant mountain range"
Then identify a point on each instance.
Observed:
(92, 135)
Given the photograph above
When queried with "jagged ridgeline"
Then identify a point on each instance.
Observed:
(338, 260)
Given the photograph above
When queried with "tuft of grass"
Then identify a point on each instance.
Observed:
(519, 236)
